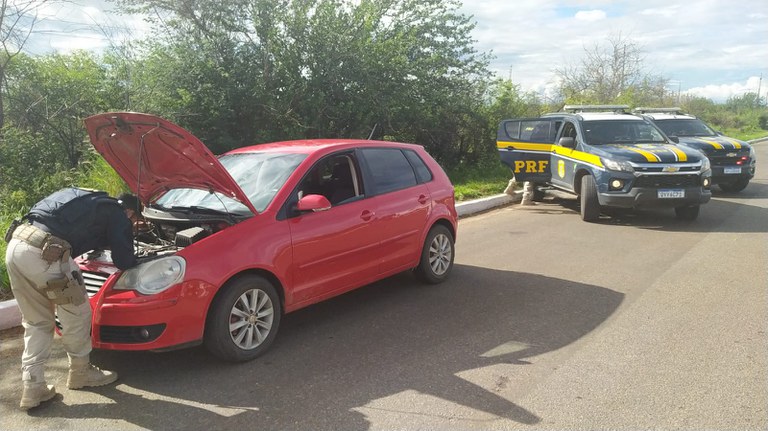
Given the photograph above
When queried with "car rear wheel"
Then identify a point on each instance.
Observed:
(590, 206)
(736, 186)
(243, 320)
(436, 255)
(689, 212)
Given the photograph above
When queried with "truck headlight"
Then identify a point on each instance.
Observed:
(154, 276)
(705, 165)
(618, 165)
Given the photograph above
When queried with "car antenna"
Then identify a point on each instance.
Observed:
(373, 131)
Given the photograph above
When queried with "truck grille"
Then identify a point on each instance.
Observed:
(722, 160)
(666, 181)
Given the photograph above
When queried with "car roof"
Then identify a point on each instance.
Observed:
(596, 112)
(309, 146)
(674, 113)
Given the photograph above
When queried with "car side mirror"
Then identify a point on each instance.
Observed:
(674, 139)
(567, 142)
(313, 203)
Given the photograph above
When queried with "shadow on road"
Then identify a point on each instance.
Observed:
(332, 359)
(713, 216)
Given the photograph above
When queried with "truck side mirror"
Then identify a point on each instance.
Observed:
(674, 139)
(567, 142)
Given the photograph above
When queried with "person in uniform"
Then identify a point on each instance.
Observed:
(45, 280)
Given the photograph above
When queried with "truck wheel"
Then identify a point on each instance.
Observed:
(538, 194)
(689, 212)
(734, 187)
(590, 206)
(436, 256)
(243, 320)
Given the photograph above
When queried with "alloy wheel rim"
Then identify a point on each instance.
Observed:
(251, 318)
(440, 254)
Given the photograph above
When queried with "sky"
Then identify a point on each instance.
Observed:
(709, 48)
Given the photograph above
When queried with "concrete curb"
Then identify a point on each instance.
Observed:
(10, 315)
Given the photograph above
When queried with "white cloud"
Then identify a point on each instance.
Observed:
(714, 43)
(590, 15)
(721, 93)
(710, 47)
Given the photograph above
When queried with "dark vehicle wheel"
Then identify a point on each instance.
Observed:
(590, 206)
(538, 194)
(687, 213)
(736, 186)
(436, 256)
(243, 320)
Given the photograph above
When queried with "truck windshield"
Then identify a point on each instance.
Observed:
(685, 128)
(619, 131)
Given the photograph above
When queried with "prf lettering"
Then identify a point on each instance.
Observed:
(531, 166)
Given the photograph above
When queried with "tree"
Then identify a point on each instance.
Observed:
(612, 74)
(17, 22)
(50, 95)
(252, 71)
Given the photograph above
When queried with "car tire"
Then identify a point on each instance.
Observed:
(735, 186)
(436, 256)
(538, 194)
(688, 212)
(590, 206)
(243, 320)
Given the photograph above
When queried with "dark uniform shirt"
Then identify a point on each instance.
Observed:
(110, 228)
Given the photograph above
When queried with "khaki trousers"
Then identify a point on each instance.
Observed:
(28, 272)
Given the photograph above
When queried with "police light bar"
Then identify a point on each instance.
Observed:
(675, 110)
(595, 108)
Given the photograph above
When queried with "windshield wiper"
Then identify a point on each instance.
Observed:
(205, 210)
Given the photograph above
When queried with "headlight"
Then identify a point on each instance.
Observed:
(618, 165)
(154, 276)
(705, 165)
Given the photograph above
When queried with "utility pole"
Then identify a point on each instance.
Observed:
(759, 85)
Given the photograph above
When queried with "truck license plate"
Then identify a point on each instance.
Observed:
(671, 194)
(732, 170)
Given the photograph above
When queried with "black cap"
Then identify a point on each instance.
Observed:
(129, 201)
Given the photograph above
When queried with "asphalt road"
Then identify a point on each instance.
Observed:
(640, 321)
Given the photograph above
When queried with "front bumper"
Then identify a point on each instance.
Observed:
(640, 197)
(719, 175)
(126, 320)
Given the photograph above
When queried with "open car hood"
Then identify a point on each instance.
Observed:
(153, 155)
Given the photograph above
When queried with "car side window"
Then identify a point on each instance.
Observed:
(336, 177)
(389, 169)
(569, 130)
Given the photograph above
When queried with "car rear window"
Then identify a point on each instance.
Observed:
(423, 173)
(389, 169)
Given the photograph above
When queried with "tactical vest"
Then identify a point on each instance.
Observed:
(69, 213)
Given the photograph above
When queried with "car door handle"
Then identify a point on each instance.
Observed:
(423, 199)
(367, 215)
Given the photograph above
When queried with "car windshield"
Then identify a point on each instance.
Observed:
(683, 127)
(621, 132)
(260, 175)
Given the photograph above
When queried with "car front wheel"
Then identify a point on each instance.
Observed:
(590, 206)
(436, 256)
(243, 320)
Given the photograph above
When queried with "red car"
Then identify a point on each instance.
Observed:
(234, 242)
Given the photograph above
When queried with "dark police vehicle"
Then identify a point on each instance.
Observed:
(609, 157)
(733, 161)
